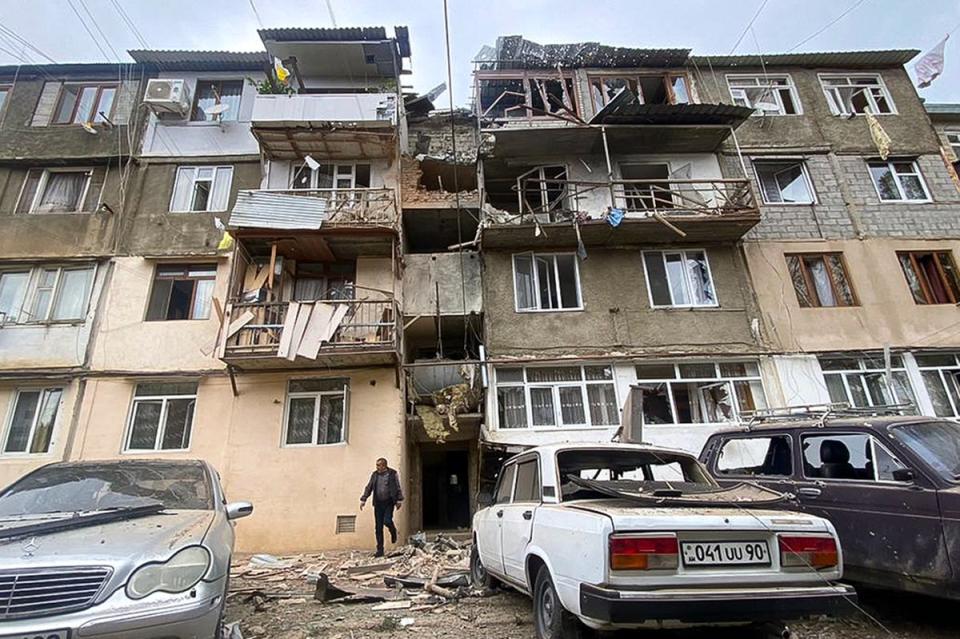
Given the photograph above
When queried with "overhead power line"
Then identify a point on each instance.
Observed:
(749, 24)
(130, 24)
(89, 32)
(256, 13)
(826, 26)
(11, 33)
(333, 18)
(96, 25)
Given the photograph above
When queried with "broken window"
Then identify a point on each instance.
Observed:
(646, 186)
(765, 94)
(931, 276)
(668, 88)
(526, 96)
(54, 191)
(820, 279)
(784, 182)
(551, 95)
(699, 392)
(850, 456)
(502, 98)
(82, 103)
(32, 421)
(679, 278)
(941, 376)
(937, 443)
(161, 417)
(316, 412)
(603, 89)
(898, 180)
(45, 293)
(213, 92)
(848, 95)
(201, 188)
(861, 382)
(546, 282)
(544, 191)
(182, 291)
(756, 457)
(334, 177)
(324, 281)
(556, 396)
(953, 137)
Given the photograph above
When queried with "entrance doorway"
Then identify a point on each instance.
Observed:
(446, 490)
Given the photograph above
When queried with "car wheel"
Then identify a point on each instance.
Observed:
(478, 574)
(221, 621)
(550, 619)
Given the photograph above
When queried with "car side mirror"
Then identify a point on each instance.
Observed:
(903, 474)
(484, 500)
(239, 509)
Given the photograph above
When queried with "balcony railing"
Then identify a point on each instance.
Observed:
(367, 325)
(556, 200)
(356, 108)
(314, 208)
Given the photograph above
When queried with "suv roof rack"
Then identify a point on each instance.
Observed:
(821, 412)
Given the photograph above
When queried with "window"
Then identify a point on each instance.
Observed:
(847, 456)
(756, 457)
(820, 279)
(765, 94)
(45, 293)
(213, 92)
(938, 443)
(528, 482)
(4, 94)
(931, 276)
(898, 181)
(679, 278)
(556, 396)
(850, 94)
(31, 424)
(505, 487)
(81, 103)
(324, 281)
(335, 177)
(546, 282)
(544, 191)
(670, 88)
(316, 412)
(861, 382)
(699, 392)
(54, 191)
(526, 95)
(941, 376)
(953, 137)
(182, 292)
(201, 188)
(784, 181)
(161, 417)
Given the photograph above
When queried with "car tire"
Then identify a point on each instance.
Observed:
(550, 619)
(222, 620)
(479, 576)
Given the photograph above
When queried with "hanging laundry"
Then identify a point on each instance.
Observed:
(880, 137)
(614, 217)
(226, 240)
(280, 70)
(930, 66)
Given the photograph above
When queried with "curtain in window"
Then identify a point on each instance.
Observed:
(512, 406)
(12, 288)
(840, 283)
(74, 290)
(571, 405)
(913, 281)
(220, 196)
(300, 420)
(307, 289)
(821, 281)
(799, 282)
(553, 374)
(62, 193)
(541, 405)
(676, 274)
(23, 414)
(183, 189)
(603, 405)
(700, 279)
(203, 297)
(524, 282)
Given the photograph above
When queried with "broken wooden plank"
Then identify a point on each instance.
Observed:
(218, 308)
(286, 334)
(316, 330)
(273, 265)
(239, 323)
(393, 605)
(359, 570)
(334, 323)
(303, 317)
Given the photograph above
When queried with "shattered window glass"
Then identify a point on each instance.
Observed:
(546, 282)
(862, 382)
(820, 280)
(783, 182)
(710, 399)
(856, 94)
(502, 97)
(932, 277)
(549, 95)
(679, 278)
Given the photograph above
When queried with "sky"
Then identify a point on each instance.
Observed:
(706, 26)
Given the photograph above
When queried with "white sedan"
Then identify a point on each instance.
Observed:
(612, 536)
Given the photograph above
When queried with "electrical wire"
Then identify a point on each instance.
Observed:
(747, 28)
(96, 25)
(256, 13)
(11, 33)
(130, 24)
(89, 32)
(333, 18)
(826, 26)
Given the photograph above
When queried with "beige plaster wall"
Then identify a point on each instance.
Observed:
(887, 313)
(126, 342)
(297, 492)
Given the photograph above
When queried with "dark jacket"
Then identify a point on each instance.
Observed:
(393, 483)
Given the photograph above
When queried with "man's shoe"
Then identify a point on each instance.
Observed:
(379, 553)
(393, 536)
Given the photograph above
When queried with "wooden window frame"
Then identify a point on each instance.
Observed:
(526, 77)
(100, 86)
(808, 278)
(922, 276)
(665, 77)
(193, 297)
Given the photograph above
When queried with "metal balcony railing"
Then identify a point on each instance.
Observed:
(556, 200)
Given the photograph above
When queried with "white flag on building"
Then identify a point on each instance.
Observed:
(930, 66)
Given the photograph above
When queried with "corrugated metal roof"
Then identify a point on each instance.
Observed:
(845, 59)
(626, 108)
(516, 52)
(340, 34)
(68, 69)
(272, 210)
(186, 60)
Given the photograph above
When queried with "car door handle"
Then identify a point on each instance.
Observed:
(809, 492)
(499, 513)
(528, 515)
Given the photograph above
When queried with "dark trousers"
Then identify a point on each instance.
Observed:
(383, 516)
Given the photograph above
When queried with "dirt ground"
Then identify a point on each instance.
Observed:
(280, 605)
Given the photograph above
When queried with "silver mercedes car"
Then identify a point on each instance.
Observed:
(132, 549)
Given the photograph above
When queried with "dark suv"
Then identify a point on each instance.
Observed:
(890, 485)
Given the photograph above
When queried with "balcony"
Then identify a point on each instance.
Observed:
(313, 209)
(332, 126)
(679, 210)
(321, 333)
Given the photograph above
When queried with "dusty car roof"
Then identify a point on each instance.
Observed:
(873, 421)
(550, 449)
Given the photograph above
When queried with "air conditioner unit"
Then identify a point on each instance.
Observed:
(166, 95)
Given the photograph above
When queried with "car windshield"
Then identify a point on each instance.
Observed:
(629, 470)
(76, 488)
(937, 443)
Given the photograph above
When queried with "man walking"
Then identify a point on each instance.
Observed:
(384, 485)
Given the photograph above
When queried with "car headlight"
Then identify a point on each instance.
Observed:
(179, 573)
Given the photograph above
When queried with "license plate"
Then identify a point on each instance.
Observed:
(49, 634)
(725, 553)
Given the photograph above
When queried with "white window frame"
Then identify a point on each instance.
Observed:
(896, 180)
(536, 282)
(944, 374)
(316, 395)
(555, 387)
(953, 139)
(43, 390)
(162, 422)
(784, 160)
(314, 175)
(862, 371)
(34, 273)
(719, 378)
(42, 186)
(836, 105)
(194, 169)
(763, 81)
(687, 284)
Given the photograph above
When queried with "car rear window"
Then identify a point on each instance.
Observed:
(630, 470)
(768, 456)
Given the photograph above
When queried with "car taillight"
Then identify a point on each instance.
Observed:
(808, 551)
(644, 552)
